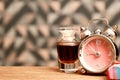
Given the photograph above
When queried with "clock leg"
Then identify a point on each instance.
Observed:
(83, 71)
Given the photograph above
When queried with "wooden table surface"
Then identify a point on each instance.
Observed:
(42, 73)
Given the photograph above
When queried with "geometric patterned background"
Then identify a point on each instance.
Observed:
(28, 27)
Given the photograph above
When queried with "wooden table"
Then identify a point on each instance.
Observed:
(42, 73)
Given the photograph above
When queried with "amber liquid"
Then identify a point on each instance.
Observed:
(67, 52)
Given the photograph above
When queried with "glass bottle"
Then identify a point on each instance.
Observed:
(67, 49)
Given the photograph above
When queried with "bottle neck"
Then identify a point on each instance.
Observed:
(68, 38)
(68, 35)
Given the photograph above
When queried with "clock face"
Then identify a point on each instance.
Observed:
(97, 53)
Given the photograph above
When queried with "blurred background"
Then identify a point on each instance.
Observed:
(28, 27)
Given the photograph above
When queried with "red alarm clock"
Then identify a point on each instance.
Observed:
(97, 51)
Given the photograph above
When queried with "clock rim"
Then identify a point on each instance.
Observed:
(80, 53)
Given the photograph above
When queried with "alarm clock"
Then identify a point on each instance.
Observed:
(97, 50)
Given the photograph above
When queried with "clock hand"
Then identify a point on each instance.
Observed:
(91, 48)
(98, 54)
(97, 43)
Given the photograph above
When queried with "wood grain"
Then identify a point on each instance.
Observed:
(42, 73)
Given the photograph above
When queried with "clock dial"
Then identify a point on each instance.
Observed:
(100, 53)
